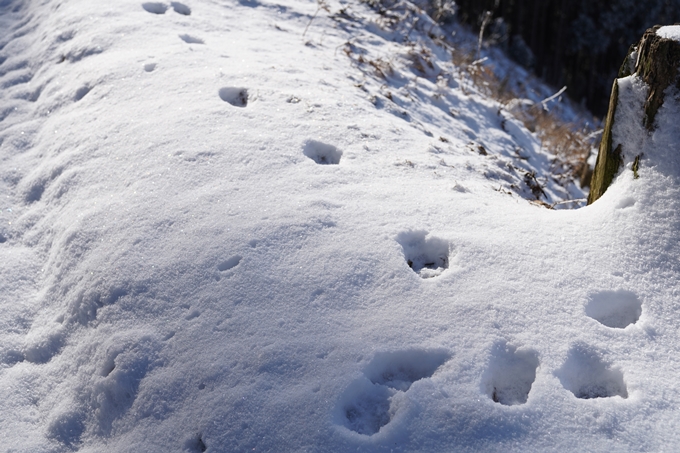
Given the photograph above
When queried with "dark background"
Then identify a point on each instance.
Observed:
(577, 43)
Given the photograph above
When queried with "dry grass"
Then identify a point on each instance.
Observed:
(569, 143)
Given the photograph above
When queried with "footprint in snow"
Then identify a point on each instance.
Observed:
(587, 375)
(510, 375)
(161, 8)
(155, 8)
(35, 191)
(181, 8)
(226, 266)
(427, 256)
(192, 314)
(81, 92)
(126, 363)
(400, 369)
(196, 444)
(616, 309)
(322, 153)
(67, 427)
(86, 307)
(150, 67)
(372, 401)
(230, 263)
(191, 39)
(236, 96)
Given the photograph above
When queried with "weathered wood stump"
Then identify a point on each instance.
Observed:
(654, 61)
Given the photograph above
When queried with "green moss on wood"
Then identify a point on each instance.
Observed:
(608, 160)
(636, 166)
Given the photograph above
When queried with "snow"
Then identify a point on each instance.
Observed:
(252, 226)
(669, 32)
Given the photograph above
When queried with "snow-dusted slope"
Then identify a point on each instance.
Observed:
(210, 226)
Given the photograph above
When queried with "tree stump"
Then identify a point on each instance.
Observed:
(654, 61)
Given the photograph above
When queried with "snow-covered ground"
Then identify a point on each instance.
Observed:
(235, 226)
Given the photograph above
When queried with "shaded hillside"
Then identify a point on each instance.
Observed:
(578, 43)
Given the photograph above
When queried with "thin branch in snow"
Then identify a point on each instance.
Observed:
(321, 4)
(545, 101)
(485, 21)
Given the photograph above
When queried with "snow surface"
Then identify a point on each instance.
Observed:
(669, 32)
(228, 227)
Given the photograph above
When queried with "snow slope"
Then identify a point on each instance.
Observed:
(219, 233)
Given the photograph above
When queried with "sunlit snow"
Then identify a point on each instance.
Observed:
(242, 225)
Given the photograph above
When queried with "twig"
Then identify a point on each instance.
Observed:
(577, 200)
(321, 5)
(480, 61)
(593, 135)
(554, 96)
(487, 18)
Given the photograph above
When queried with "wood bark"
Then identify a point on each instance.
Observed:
(655, 60)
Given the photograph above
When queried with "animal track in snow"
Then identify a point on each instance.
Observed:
(191, 39)
(85, 307)
(510, 375)
(230, 263)
(81, 93)
(616, 309)
(192, 314)
(149, 67)
(427, 256)
(79, 53)
(155, 8)
(321, 153)
(161, 8)
(196, 444)
(67, 428)
(369, 408)
(587, 375)
(35, 192)
(226, 266)
(126, 365)
(238, 97)
(372, 401)
(400, 369)
(181, 8)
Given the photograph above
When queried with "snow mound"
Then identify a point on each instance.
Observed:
(299, 226)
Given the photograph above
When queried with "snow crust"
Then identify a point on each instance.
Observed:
(222, 230)
(669, 32)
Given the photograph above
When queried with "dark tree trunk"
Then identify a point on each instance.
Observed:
(656, 61)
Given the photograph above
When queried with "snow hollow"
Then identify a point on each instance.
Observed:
(245, 225)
